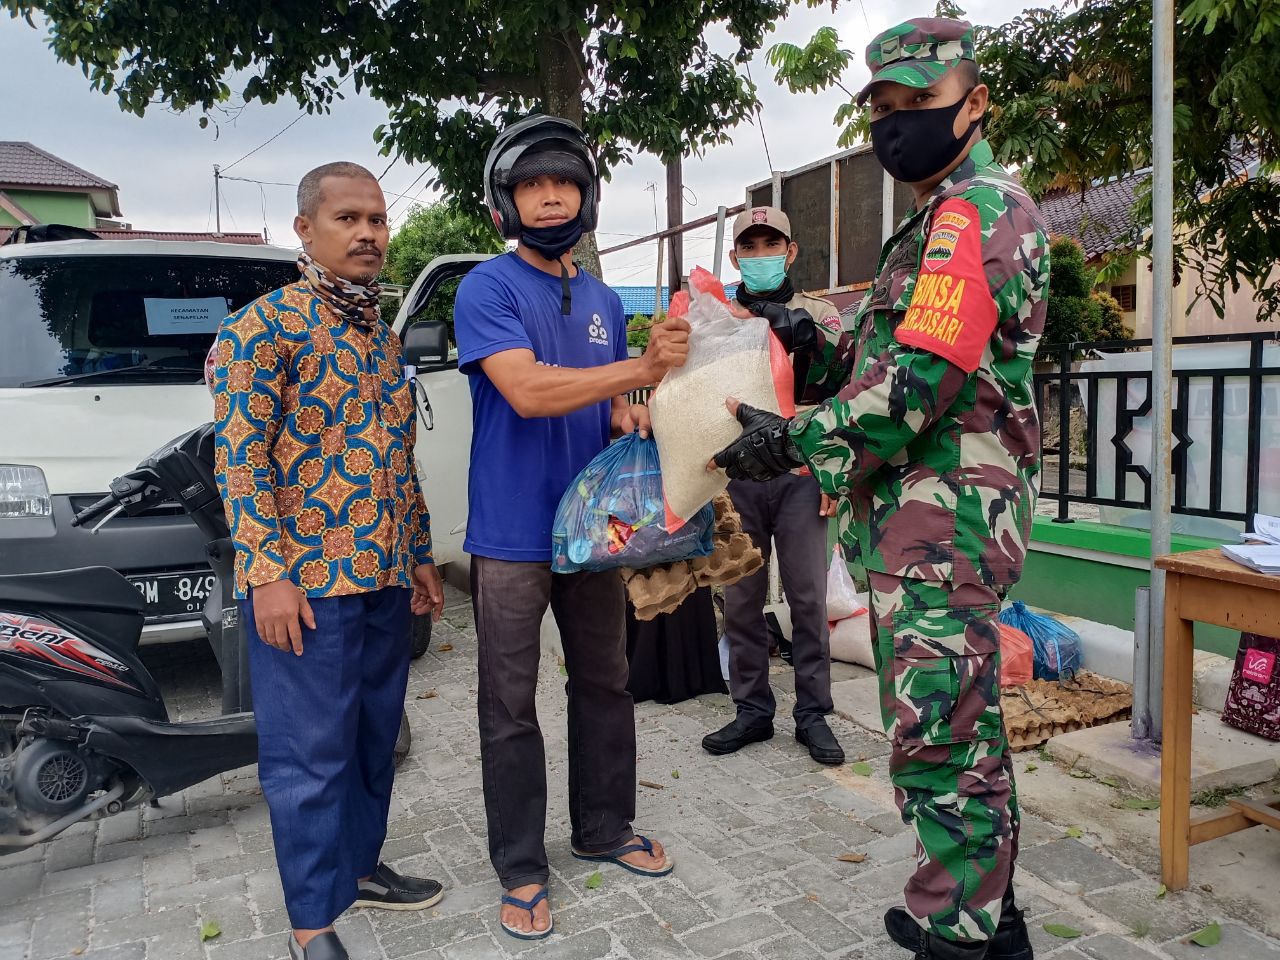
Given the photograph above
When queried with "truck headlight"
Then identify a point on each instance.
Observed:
(23, 491)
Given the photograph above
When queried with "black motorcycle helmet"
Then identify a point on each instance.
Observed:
(539, 132)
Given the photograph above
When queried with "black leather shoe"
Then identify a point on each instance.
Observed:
(1011, 940)
(736, 735)
(388, 890)
(905, 932)
(325, 946)
(822, 743)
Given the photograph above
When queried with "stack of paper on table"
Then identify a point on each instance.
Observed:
(1260, 549)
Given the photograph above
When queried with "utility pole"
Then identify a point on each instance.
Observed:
(217, 200)
(1161, 391)
(675, 217)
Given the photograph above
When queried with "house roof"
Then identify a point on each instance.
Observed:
(640, 299)
(247, 239)
(24, 165)
(1101, 218)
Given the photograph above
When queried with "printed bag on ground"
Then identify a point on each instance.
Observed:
(1253, 699)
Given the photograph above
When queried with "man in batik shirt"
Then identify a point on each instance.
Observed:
(932, 449)
(315, 431)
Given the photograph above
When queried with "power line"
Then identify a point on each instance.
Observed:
(281, 133)
(760, 121)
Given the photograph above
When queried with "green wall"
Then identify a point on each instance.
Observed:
(1077, 578)
(1082, 579)
(73, 209)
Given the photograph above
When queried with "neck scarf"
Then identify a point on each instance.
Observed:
(356, 304)
(783, 294)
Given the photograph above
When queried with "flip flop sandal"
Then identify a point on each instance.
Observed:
(615, 856)
(529, 904)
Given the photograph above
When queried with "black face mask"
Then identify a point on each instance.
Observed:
(914, 145)
(553, 243)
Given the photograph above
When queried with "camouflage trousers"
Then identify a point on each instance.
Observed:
(938, 658)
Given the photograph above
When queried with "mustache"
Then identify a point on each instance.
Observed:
(363, 249)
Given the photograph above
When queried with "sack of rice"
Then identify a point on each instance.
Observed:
(728, 357)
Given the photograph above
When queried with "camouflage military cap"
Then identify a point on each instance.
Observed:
(918, 53)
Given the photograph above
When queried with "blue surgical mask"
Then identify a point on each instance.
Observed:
(763, 274)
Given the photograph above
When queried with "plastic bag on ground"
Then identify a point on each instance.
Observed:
(842, 596)
(612, 515)
(1017, 657)
(728, 357)
(1056, 646)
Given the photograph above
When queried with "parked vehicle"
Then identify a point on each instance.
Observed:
(102, 347)
(84, 731)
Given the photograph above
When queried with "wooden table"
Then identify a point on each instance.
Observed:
(1203, 586)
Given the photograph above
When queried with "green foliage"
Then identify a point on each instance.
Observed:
(638, 74)
(1072, 92)
(638, 330)
(432, 231)
(1075, 311)
(813, 66)
(1071, 95)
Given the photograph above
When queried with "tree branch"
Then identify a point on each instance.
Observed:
(524, 85)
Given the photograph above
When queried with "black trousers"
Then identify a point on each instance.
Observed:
(510, 599)
(784, 510)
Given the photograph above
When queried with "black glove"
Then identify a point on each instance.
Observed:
(764, 451)
(794, 329)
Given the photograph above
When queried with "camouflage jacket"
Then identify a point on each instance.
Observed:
(933, 446)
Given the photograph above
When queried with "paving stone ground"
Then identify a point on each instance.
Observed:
(756, 836)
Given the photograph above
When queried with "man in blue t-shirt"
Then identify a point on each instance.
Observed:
(545, 347)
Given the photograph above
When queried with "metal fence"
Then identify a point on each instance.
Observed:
(1108, 476)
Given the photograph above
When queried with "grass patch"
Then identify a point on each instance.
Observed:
(1215, 797)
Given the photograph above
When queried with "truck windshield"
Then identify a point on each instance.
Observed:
(62, 318)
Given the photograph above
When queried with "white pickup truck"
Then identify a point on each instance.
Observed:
(102, 346)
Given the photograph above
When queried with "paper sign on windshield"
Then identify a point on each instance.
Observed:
(170, 317)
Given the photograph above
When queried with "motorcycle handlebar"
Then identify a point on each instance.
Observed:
(93, 511)
(122, 488)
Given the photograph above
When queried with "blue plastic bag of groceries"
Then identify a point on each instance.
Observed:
(1057, 646)
(612, 515)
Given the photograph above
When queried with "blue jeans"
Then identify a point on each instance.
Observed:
(327, 727)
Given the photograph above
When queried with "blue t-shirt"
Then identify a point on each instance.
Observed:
(521, 468)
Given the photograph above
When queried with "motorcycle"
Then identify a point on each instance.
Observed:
(84, 730)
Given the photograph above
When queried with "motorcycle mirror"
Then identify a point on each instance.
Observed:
(426, 346)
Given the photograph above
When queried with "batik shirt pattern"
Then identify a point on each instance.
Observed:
(933, 445)
(315, 434)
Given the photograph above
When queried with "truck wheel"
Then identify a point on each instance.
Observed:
(421, 636)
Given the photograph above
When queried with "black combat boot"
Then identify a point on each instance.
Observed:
(905, 932)
(1011, 940)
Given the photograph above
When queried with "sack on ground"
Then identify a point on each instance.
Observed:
(851, 640)
(612, 515)
(842, 596)
(728, 357)
(1253, 699)
(1017, 657)
(1056, 646)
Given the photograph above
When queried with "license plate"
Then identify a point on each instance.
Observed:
(174, 594)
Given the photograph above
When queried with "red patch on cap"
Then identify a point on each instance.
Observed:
(760, 215)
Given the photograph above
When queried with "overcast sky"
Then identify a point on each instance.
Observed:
(163, 163)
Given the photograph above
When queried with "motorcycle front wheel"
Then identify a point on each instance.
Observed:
(404, 739)
(421, 636)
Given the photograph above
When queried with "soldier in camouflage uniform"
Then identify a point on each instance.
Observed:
(932, 449)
